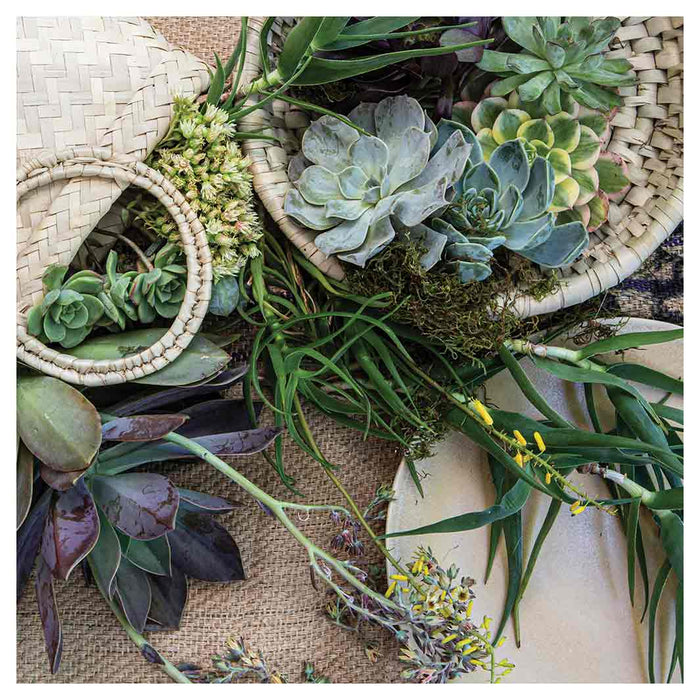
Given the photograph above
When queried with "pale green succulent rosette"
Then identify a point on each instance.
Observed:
(503, 202)
(68, 312)
(586, 177)
(361, 190)
(562, 60)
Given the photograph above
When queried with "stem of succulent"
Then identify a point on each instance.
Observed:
(277, 508)
(142, 256)
(146, 649)
(353, 506)
(525, 347)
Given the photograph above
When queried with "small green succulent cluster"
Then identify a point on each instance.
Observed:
(503, 202)
(586, 176)
(562, 62)
(200, 157)
(70, 310)
(361, 189)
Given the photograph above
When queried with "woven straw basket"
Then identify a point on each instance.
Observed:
(94, 98)
(647, 132)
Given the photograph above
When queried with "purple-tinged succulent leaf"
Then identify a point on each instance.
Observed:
(48, 612)
(29, 540)
(105, 557)
(57, 423)
(59, 481)
(203, 502)
(244, 442)
(71, 530)
(25, 482)
(142, 506)
(142, 428)
(153, 556)
(203, 549)
(147, 401)
(218, 416)
(168, 600)
(134, 593)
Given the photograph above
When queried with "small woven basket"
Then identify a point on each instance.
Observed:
(647, 132)
(94, 97)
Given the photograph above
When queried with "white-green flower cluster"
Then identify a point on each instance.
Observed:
(200, 157)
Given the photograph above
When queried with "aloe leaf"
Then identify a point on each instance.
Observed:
(216, 87)
(71, 530)
(636, 418)
(297, 45)
(134, 593)
(25, 482)
(369, 27)
(202, 548)
(513, 500)
(57, 423)
(142, 506)
(659, 583)
(200, 360)
(632, 525)
(152, 556)
(626, 341)
(513, 532)
(168, 600)
(327, 32)
(48, 612)
(672, 539)
(647, 376)
(495, 533)
(528, 388)
(141, 428)
(669, 499)
(325, 70)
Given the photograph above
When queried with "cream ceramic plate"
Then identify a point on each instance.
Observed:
(576, 621)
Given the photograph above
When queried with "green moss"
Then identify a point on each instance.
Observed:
(467, 320)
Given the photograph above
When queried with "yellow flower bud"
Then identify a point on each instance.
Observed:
(540, 442)
(519, 437)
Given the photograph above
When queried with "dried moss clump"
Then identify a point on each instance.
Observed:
(466, 319)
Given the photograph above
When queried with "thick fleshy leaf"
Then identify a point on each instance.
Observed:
(566, 130)
(29, 539)
(71, 530)
(326, 142)
(510, 203)
(565, 194)
(597, 211)
(204, 502)
(152, 556)
(142, 428)
(560, 161)
(244, 442)
(218, 416)
(509, 162)
(363, 116)
(588, 184)
(143, 506)
(537, 130)
(432, 241)
(470, 251)
(379, 235)
(59, 481)
(522, 234)
(346, 209)
(449, 161)
(168, 600)
(520, 30)
(25, 482)
(481, 177)
(487, 143)
(200, 360)
(612, 172)
(415, 206)
(507, 123)
(48, 612)
(105, 557)
(408, 157)
(539, 193)
(563, 246)
(348, 235)
(225, 296)
(57, 423)
(319, 185)
(587, 152)
(532, 89)
(134, 593)
(393, 117)
(353, 182)
(486, 112)
(203, 549)
(470, 271)
(371, 155)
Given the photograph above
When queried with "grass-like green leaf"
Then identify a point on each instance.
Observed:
(648, 376)
(629, 340)
(632, 525)
(659, 583)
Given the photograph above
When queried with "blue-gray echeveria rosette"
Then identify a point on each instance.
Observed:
(505, 202)
(361, 190)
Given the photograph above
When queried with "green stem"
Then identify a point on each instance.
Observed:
(525, 347)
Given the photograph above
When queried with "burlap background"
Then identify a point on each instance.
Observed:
(275, 609)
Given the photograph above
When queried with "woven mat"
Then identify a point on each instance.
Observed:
(275, 609)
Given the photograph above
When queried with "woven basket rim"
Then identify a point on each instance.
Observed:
(100, 162)
(620, 258)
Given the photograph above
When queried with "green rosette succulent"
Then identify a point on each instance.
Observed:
(562, 60)
(586, 177)
(69, 310)
(143, 296)
(503, 202)
(360, 190)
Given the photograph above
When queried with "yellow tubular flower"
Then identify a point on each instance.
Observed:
(540, 442)
(548, 478)
(519, 459)
(398, 577)
(579, 510)
(519, 437)
(479, 407)
(390, 590)
(462, 642)
(469, 608)
(449, 638)
(470, 650)
(574, 505)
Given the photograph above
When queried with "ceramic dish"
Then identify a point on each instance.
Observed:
(577, 624)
